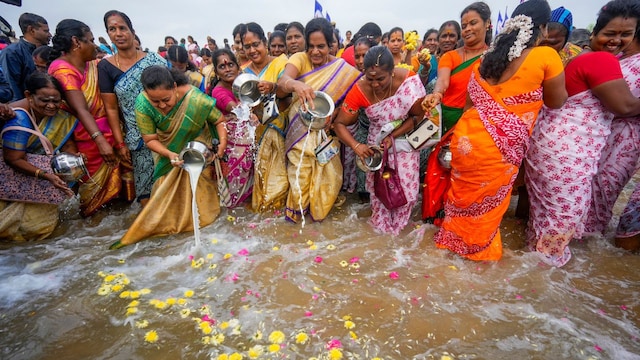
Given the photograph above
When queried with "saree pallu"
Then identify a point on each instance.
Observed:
(395, 107)
(58, 129)
(454, 99)
(127, 87)
(566, 146)
(271, 182)
(620, 157)
(238, 169)
(315, 187)
(196, 79)
(487, 146)
(629, 224)
(169, 207)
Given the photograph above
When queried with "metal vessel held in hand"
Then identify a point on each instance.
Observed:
(371, 163)
(245, 88)
(196, 152)
(444, 157)
(323, 107)
(69, 167)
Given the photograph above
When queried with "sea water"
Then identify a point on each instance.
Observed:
(259, 285)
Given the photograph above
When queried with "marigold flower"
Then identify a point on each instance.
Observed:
(331, 247)
(206, 340)
(171, 301)
(255, 351)
(134, 294)
(141, 324)
(274, 348)
(132, 310)
(109, 278)
(160, 305)
(205, 327)
(209, 256)
(349, 324)
(217, 339)
(257, 336)
(196, 264)
(125, 294)
(235, 356)
(344, 263)
(104, 290)
(223, 357)
(182, 301)
(353, 335)
(117, 288)
(302, 338)
(335, 354)
(151, 336)
(188, 293)
(227, 256)
(224, 325)
(145, 291)
(134, 303)
(184, 313)
(277, 337)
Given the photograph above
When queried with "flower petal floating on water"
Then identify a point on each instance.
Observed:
(349, 324)
(132, 310)
(125, 294)
(227, 256)
(243, 252)
(331, 247)
(344, 263)
(277, 337)
(184, 313)
(318, 259)
(353, 335)
(188, 293)
(151, 336)
(231, 218)
(141, 324)
(334, 344)
(235, 356)
(255, 351)
(302, 338)
(354, 259)
(598, 348)
(394, 275)
(104, 290)
(274, 348)
(134, 303)
(145, 291)
(308, 313)
(335, 354)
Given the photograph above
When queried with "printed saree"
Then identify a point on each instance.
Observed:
(488, 145)
(103, 183)
(315, 187)
(169, 208)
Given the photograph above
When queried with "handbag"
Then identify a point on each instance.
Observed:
(386, 182)
(16, 186)
(270, 108)
(327, 149)
(428, 132)
(223, 185)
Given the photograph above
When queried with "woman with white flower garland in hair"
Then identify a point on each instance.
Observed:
(490, 140)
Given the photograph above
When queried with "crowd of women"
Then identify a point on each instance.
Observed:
(536, 109)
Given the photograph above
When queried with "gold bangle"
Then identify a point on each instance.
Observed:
(285, 84)
(355, 147)
(37, 174)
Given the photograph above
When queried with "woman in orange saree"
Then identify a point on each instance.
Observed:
(490, 140)
(76, 70)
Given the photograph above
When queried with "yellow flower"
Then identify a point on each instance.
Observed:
(255, 351)
(331, 247)
(231, 218)
(109, 278)
(313, 247)
(405, 66)
(309, 242)
(257, 336)
(209, 256)
(102, 274)
(171, 301)
(302, 338)
(132, 310)
(344, 263)
(145, 291)
(223, 357)
(153, 301)
(276, 337)
(214, 241)
(151, 336)
(205, 327)
(104, 290)
(125, 294)
(184, 313)
(117, 287)
(346, 317)
(160, 305)
(377, 358)
(134, 294)
(224, 325)
(235, 356)
(121, 261)
(275, 248)
(213, 266)
(217, 339)
(335, 354)
(141, 324)
(182, 301)
(353, 335)
(206, 340)
(274, 348)
(196, 264)
(227, 256)
(188, 293)
(349, 324)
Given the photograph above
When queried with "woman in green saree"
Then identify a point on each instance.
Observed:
(313, 187)
(171, 113)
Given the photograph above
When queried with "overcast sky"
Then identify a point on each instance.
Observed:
(153, 20)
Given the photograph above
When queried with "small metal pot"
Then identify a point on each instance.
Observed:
(69, 167)
(245, 88)
(444, 157)
(323, 107)
(371, 163)
(196, 152)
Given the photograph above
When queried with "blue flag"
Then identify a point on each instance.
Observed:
(318, 10)
(328, 17)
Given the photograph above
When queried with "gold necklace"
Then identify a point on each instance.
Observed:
(117, 56)
(388, 91)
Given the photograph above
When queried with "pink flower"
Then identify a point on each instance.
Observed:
(243, 252)
(394, 275)
(318, 259)
(308, 313)
(208, 319)
(334, 344)
(354, 259)
(598, 348)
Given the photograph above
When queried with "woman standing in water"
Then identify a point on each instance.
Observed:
(490, 140)
(238, 169)
(560, 168)
(76, 69)
(119, 80)
(171, 113)
(386, 93)
(314, 187)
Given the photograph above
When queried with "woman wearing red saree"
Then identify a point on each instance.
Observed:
(490, 140)
(76, 69)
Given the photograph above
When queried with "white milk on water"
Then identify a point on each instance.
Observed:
(194, 168)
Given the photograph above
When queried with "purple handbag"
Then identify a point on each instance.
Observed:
(386, 182)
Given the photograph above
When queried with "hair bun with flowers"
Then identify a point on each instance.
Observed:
(522, 23)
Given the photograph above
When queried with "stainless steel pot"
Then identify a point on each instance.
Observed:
(196, 152)
(323, 107)
(371, 163)
(444, 156)
(245, 88)
(69, 167)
